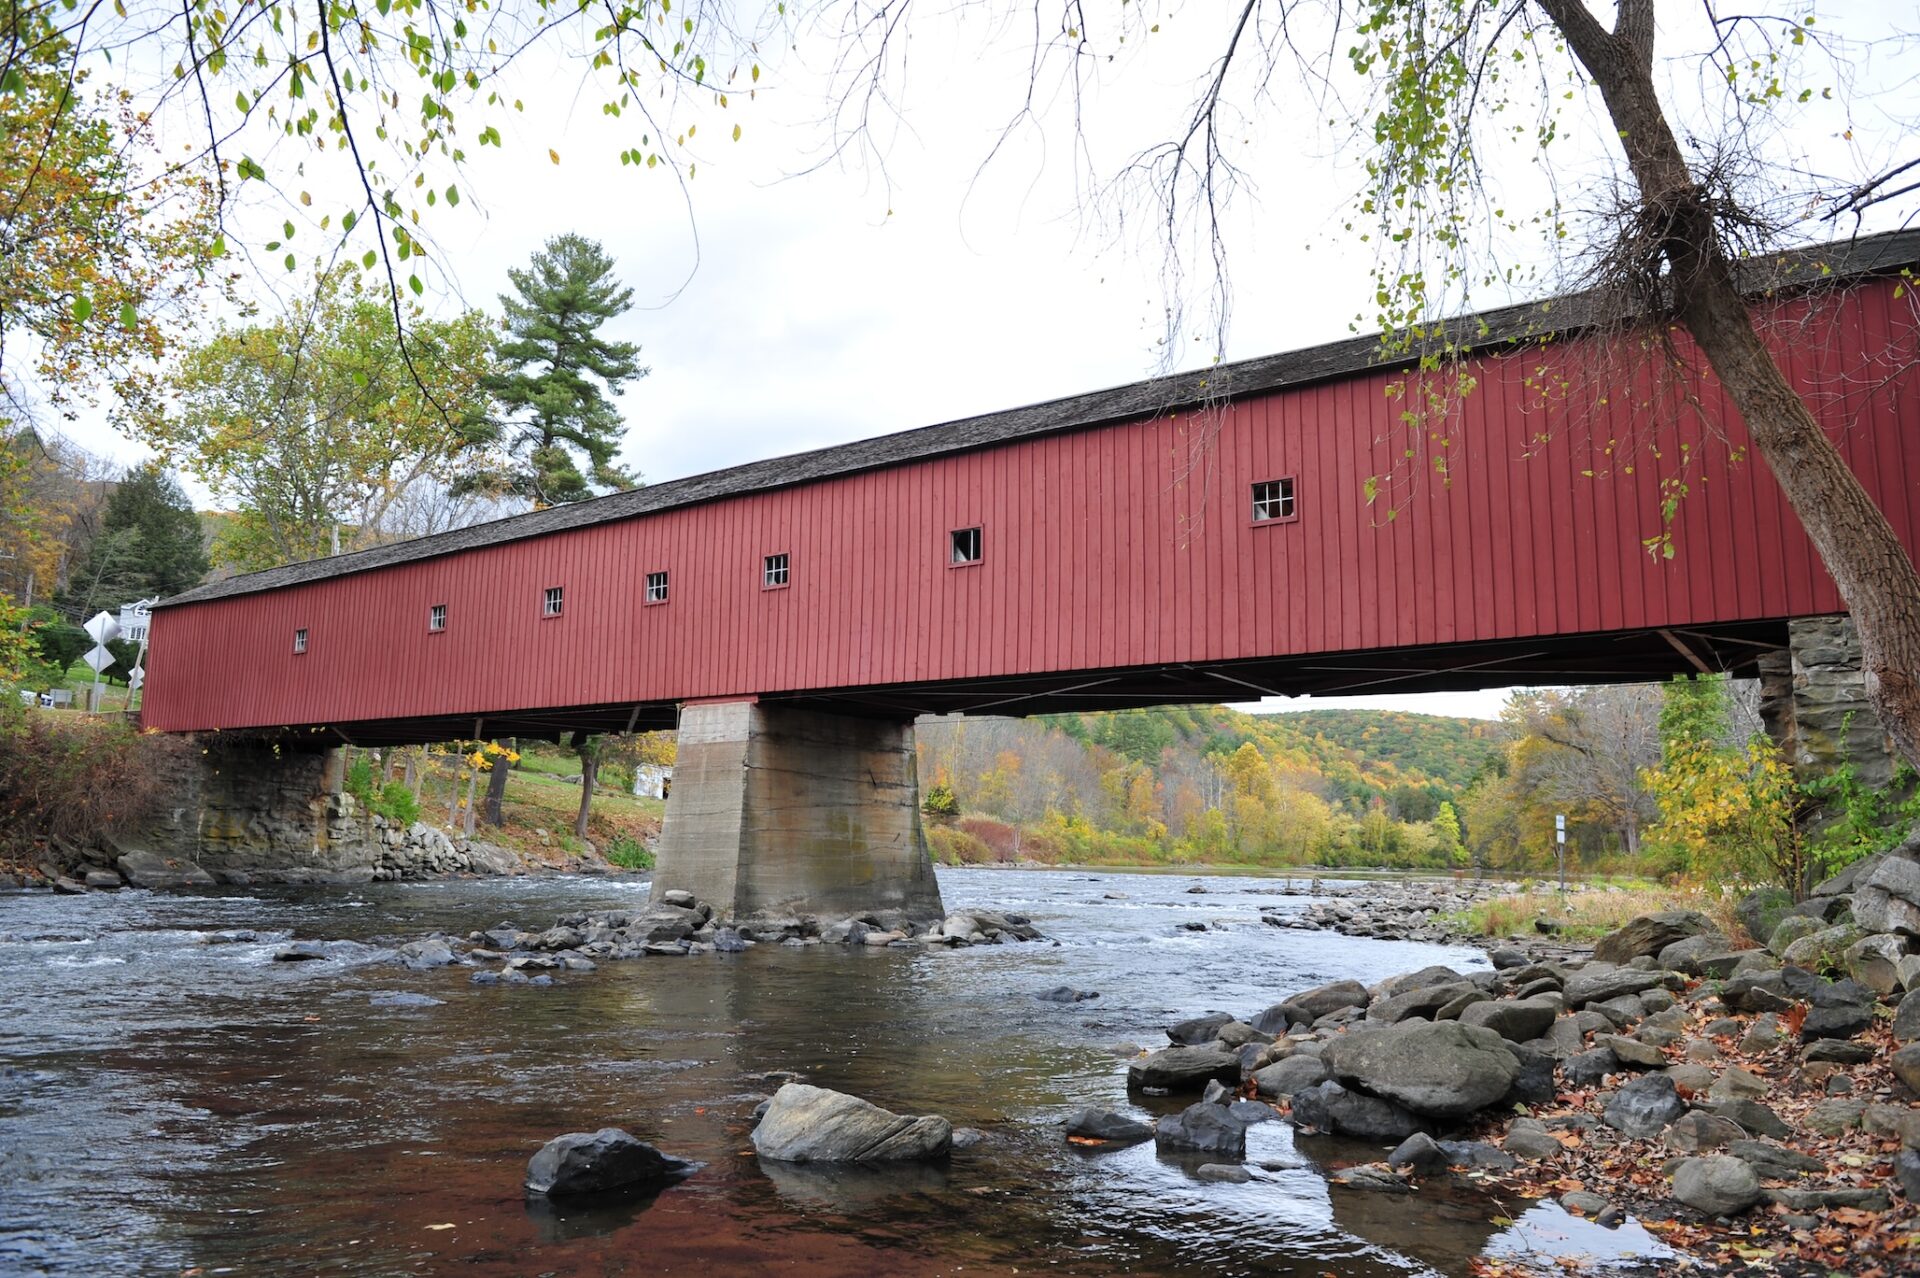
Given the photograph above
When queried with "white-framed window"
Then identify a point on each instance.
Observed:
(555, 600)
(774, 573)
(656, 587)
(300, 640)
(1273, 500)
(967, 547)
(437, 618)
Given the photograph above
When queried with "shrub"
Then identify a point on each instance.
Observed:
(396, 803)
(939, 801)
(359, 782)
(78, 778)
(950, 846)
(629, 853)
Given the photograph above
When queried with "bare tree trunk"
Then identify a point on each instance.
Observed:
(497, 785)
(1872, 569)
(589, 753)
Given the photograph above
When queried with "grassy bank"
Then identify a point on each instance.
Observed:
(1590, 911)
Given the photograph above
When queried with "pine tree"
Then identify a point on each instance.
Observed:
(150, 545)
(558, 376)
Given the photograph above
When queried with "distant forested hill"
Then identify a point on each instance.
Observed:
(1192, 783)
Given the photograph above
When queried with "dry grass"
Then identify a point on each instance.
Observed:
(1588, 912)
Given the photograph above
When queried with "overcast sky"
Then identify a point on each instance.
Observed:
(851, 301)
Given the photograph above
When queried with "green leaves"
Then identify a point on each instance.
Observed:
(82, 308)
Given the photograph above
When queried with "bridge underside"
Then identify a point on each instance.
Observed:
(1635, 656)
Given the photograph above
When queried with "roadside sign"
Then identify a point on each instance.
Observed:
(98, 659)
(102, 629)
(136, 677)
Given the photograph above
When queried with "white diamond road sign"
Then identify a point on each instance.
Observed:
(136, 677)
(102, 629)
(98, 659)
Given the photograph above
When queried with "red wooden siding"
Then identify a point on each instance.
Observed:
(1117, 546)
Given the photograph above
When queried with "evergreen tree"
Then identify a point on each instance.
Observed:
(558, 376)
(150, 544)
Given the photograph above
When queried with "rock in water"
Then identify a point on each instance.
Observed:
(1330, 1107)
(594, 1162)
(1184, 1068)
(1442, 1069)
(1108, 1127)
(814, 1125)
(1202, 1128)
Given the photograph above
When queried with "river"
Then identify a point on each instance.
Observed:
(172, 1103)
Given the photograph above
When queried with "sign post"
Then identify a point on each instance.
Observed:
(103, 630)
(1560, 845)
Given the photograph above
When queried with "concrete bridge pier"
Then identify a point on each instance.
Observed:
(778, 810)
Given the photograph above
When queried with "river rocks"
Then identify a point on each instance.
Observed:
(1906, 1066)
(1309, 1006)
(1791, 928)
(419, 956)
(1874, 961)
(1066, 994)
(1424, 1002)
(1590, 1068)
(1285, 1077)
(1202, 1128)
(1755, 992)
(1649, 934)
(814, 1125)
(1644, 1107)
(596, 1162)
(403, 998)
(1222, 1173)
(1696, 1133)
(1631, 1052)
(1822, 951)
(1197, 1030)
(1528, 1138)
(1419, 1154)
(1107, 1127)
(1718, 1185)
(1754, 1118)
(1706, 954)
(151, 870)
(1329, 1107)
(1906, 1019)
(1188, 1069)
(1599, 983)
(1888, 898)
(1760, 911)
(1442, 1069)
(1774, 1162)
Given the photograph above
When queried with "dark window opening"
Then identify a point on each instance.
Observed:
(775, 574)
(967, 546)
(555, 600)
(656, 587)
(1273, 499)
(437, 618)
(300, 640)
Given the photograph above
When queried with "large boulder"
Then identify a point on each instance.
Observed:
(1442, 1069)
(814, 1125)
(1874, 961)
(1329, 1107)
(1761, 910)
(1197, 1030)
(1888, 898)
(151, 870)
(1822, 951)
(595, 1162)
(1184, 1069)
(1644, 1107)
(1649, 934)
(1708, 954)
(1719, 1184)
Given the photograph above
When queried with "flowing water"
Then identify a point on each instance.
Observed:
(174, 1102)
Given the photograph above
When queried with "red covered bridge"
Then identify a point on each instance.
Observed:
(1204, 537)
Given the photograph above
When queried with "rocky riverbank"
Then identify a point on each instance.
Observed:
(1748, 1105)
(1431, 910)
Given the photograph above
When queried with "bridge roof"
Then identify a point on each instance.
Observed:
(1566, 314)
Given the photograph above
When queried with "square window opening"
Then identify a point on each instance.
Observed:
(967, 546)
(656, 587)
(554, 602)
(774, 575)
(1273, 500)
(300, 640)
(437, 618)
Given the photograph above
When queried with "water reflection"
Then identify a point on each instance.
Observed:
(170, 1102)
